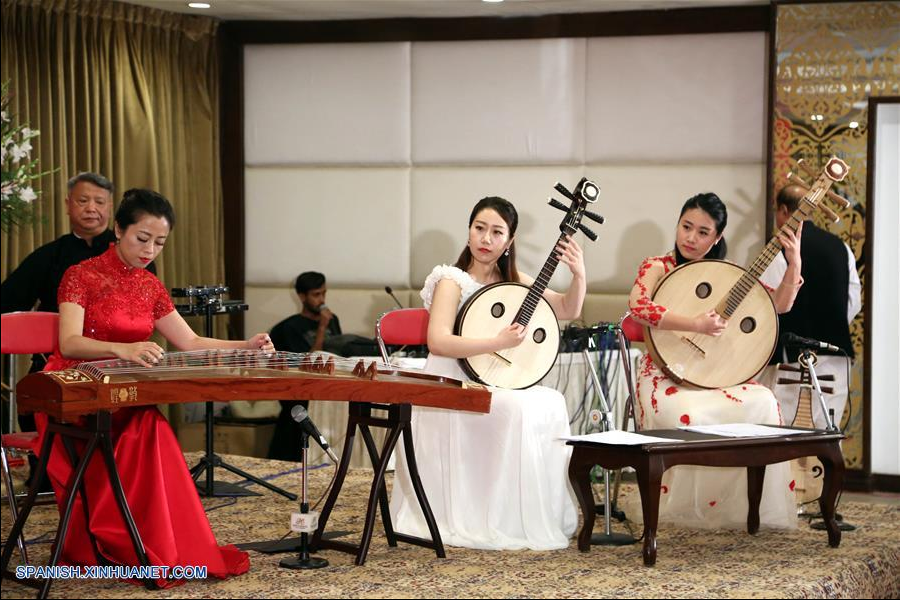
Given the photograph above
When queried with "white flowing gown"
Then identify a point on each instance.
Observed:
(495, 481)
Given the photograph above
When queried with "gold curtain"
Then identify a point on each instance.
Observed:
(831, 57)
(131, 93)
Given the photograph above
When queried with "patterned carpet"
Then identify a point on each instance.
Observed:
(720, 564)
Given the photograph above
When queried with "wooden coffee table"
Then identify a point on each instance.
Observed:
(650, 461)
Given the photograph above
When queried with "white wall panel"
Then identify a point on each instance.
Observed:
(326, 103)
(500, 102)
(445, 197)
(351, 224)
(676, 98)
(364, 160)
(641, 206)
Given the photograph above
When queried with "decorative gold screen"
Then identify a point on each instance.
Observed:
(830, 57)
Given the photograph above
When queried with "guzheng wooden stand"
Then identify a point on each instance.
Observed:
(97, 437)
(397, 423)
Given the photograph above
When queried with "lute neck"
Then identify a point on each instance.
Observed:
(743, 286)
(774, 246)
(533, 298)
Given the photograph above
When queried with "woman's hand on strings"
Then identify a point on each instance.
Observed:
(145, 354)
(510, 336)
(710, 323)
(262, 342)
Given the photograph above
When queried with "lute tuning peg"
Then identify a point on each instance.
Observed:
(840, 201)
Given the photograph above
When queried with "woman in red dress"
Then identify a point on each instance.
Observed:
(108, 307)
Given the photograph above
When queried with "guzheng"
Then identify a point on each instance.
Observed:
(227, 375)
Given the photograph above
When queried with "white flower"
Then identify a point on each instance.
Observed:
(21, 151)
(27, 194)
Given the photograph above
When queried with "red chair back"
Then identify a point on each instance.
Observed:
(402, 327)
(633, 330)
(29, 332)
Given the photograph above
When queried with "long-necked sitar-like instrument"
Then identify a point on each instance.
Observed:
(496, 306)
(736, 294)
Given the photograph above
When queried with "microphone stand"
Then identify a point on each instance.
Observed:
(305, 522)
(300, 522)
(807, 359)
(607, 538)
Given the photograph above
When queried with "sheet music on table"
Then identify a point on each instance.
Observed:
(742, 430)
(618, 438)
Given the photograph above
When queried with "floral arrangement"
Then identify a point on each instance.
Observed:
(19, 169)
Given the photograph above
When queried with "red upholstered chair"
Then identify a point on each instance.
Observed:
(629, 331)
(22, 333)
(402, 327)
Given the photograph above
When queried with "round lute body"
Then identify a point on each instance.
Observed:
(488, 312)
(744, 347)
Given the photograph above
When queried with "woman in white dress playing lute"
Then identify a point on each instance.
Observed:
(495, 481)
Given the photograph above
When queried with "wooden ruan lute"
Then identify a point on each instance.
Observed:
(226, 375)
(496, 306)
(736, 294)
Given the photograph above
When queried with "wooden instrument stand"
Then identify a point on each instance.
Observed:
(397, 423)
(97, 436)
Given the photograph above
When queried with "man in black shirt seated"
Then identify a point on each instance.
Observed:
(308, 331)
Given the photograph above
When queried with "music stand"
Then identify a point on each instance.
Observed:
(207, 301)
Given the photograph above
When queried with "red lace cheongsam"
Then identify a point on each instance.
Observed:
(121, 304)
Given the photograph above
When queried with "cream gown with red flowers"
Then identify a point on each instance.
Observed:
(705, 496)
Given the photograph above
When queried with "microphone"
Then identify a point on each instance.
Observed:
(301, 415)
(792, 339)
(388, 289)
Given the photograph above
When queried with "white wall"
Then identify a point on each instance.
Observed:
(885, 327)
(364, 160)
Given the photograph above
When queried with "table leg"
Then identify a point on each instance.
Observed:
(755, 477)
(833, 480)
(580, 478)
(649, 476)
